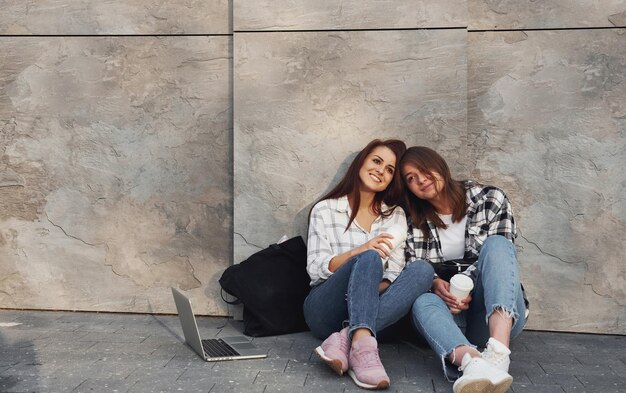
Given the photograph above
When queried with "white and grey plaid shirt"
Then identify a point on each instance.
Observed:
(328, 237)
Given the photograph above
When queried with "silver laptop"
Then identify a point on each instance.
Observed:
(212, 350)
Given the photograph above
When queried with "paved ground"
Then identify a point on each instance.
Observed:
(91, 352)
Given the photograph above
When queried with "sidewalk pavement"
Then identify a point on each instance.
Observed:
(98, 352)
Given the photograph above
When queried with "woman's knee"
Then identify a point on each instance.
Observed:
(498, 241)
(498, 250)
(369, 255)
(370, 259)
(421, 268)
(420, 274)
(426, 302)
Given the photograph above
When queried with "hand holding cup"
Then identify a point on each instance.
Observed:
(460, 287)
(399, 235)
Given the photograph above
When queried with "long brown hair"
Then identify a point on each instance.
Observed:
(349, 185)
(427, 161)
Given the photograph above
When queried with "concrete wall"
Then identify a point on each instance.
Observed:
(546, 117)
(115, 154)
(305, 105)
(540, 113)
(137, 137)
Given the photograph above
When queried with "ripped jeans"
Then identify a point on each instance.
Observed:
(498, 289)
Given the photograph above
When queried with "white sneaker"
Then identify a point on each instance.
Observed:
(480, 376)
(497, 354)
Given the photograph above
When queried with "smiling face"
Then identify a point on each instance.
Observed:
(377, 170)
(424, 185)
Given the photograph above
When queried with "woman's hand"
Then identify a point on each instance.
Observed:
(379, 244)
(441, 288)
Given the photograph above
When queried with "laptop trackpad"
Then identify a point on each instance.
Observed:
(242, 346)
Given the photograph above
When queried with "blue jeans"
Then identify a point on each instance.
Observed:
(498, 286)
(351, 294)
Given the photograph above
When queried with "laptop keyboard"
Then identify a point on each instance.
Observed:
(217, 348)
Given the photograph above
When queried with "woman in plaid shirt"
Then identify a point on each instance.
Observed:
(360, 283)
(456, 220)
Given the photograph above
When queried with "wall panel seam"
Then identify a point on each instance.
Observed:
(544, 29)
(341, 30)
(111, 35)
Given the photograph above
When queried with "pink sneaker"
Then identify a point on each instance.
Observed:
(334, 351)
(366, 369)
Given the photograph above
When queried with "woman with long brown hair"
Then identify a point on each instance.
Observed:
(458, 225)
(359, 279)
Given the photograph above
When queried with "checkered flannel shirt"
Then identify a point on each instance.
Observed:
(488, 213)
(328, 237)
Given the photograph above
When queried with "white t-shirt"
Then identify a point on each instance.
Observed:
(453, 238)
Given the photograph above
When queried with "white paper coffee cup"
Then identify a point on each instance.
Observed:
(460, 286)
(399, 235)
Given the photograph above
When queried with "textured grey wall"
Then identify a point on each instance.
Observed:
(545, 14)
(545, 122)
(76, 17)
(347, 14)
(547, 114)
(118, 155)
(304, 102)
(115, 156)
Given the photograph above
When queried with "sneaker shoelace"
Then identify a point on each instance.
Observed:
(368, 358)
(462, 367)
(341, 341)
(343, 344)
(492, 356)
(472, 361)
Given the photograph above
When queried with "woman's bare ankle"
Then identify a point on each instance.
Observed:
(457, 354)
(361, 333)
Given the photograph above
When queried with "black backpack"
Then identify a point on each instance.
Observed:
(272, 285)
